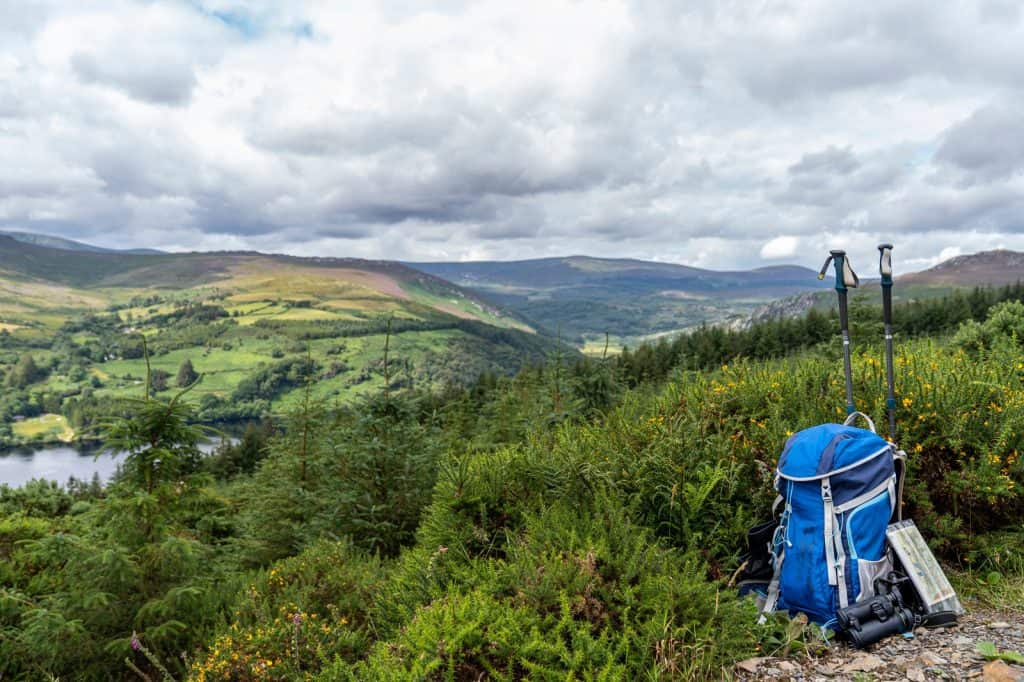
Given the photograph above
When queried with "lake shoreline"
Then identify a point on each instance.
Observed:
(61, 461)
(233, 428)
(9, 446)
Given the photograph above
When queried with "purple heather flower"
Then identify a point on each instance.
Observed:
(136, 644)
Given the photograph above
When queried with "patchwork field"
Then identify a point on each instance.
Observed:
(257, 330)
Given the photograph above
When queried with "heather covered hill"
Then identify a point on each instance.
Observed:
(66, 244)
(338, 283)
(995, 267)
(257, 327)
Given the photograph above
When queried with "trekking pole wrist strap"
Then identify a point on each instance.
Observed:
(853, 417)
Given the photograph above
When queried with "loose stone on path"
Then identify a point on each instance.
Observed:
(940, 654)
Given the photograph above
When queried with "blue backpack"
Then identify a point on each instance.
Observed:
(838, 485)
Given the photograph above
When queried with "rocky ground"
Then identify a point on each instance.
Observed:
(940, 654)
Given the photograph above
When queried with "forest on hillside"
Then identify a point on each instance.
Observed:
(579, 520)
(248, 365)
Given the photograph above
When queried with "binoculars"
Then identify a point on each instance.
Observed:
(873, 619)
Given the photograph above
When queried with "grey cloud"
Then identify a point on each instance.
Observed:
(843, 47)
(840, 47)
(881, 173)
(10, 107)
(22, 18)
(467, 168)
(779, 78)
(1000, 11)
(463, 150)
(451, 210)
(985, 210)
(831, 161)
(841, 182)
(694, 132)
(157, 83)
(503, 231)
(218, 212)
(136, 167)
(989, 144)
(29, 187)
(339, 132)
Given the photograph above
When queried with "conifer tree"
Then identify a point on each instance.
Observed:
(187, 374)
(24, 373)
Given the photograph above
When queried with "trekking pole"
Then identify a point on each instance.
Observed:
(885, 270)
(845, 278)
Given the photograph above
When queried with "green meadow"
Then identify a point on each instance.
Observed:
(254, 328)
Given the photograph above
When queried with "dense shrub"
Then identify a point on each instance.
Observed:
(295, 617)
(1005, 323)
(580, 591)
(365, 473)
(270, 381)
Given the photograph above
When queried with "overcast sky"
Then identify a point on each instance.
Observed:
(712, 133)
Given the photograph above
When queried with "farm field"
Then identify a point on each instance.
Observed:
(254, 328)
(44, 427)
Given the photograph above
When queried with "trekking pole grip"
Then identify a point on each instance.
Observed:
(885, 264)
(838, 258)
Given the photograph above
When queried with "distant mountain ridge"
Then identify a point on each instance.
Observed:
(586, 272)
(996, 267)
(63, 244)
(579, 298)
(584, 298)
(34, 276)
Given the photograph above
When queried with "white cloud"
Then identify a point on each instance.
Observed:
(949, 252)
(780, 247)
(696, 132)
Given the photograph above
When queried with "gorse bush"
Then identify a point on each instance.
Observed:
(298, 616)
(580, 591)
(1004, 324)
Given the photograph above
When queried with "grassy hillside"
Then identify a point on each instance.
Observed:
(236, 317)
(551, 526)
(631, 300)
(37, 278)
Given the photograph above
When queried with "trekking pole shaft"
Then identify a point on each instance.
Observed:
(890, 398)
(885, 270)
(844, 326)
(845, 277)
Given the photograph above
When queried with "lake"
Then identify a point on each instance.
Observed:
(60, 462)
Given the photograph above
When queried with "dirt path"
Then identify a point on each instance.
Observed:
(941, 654)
